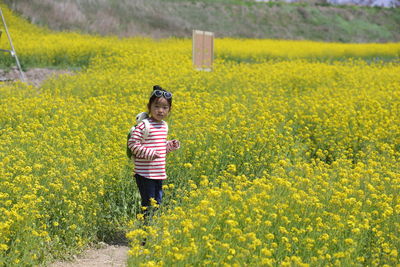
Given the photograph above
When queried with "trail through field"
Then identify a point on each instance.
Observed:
(34, 76)
(105, 256)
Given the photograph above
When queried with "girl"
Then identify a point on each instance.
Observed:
(150, 153)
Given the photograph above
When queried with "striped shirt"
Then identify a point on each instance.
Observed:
(144, 150)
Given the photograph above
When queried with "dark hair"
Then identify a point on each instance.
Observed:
(154, 97)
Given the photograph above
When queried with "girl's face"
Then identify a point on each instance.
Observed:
(159, 109)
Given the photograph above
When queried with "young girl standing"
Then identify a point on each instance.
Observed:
(150, 152)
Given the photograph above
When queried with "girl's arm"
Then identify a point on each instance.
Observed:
(135, 144)
(173, 145)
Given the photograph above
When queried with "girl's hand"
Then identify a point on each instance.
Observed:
(175, 144)
(156, 155)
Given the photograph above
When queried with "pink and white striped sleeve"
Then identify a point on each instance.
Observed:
(135, 144)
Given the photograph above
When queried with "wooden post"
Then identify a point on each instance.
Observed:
(203, 50)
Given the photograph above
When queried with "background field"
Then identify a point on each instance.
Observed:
(290, 151)
(308, 20)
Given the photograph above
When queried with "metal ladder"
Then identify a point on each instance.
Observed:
(12, 51)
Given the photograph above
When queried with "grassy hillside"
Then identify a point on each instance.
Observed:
(227, 18)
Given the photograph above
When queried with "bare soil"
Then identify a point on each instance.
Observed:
(105, 256)
(34, 76)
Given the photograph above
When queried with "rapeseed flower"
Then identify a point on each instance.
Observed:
(290, 157)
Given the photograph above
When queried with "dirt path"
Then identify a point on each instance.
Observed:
(34, 76)
(105, 256)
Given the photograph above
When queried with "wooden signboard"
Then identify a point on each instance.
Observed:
(203, 50)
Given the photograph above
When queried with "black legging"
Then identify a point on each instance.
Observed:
(149, 188)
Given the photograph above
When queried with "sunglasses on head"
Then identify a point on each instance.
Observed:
(159, 93)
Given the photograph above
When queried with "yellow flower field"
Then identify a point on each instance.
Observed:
(290, 151)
